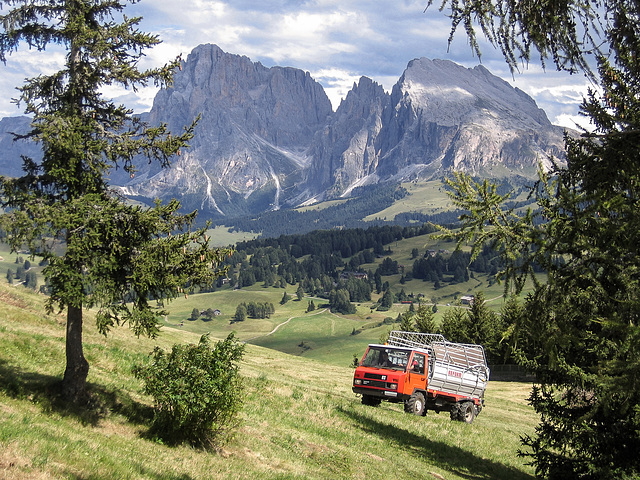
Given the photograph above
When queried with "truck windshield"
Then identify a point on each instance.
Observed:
(386, 357)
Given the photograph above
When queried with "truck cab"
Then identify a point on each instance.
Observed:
(393, 374)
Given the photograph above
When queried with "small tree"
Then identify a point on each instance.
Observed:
(340, 302)
(31, 280)
(10, 276)
(455, 325)
(386, 302)
(406, 322)
(197, 391)
(20, 273)
(241, 313)
(195, 314)
(424, 321)
(486, 327)
(285, 298)
(209, 314)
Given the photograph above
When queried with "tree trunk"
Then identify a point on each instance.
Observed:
(75, 375)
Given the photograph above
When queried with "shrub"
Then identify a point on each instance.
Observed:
(197, 391)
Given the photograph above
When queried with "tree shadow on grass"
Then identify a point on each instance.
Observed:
(454, 459)
(143, 473)
(45, 391)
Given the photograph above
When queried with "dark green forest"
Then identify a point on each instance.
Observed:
(329, 264)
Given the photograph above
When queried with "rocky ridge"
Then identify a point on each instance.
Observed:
(268, 138)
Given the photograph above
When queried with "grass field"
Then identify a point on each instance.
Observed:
(423, 197)
(222, 237)
(300, 419)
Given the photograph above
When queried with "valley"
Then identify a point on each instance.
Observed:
(320, 334)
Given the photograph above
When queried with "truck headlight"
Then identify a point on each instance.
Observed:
(393, 386)
(357, 381)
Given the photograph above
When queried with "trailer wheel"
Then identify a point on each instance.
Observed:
(455, 412)
(415, 404)
(467, 412)
(371, 401)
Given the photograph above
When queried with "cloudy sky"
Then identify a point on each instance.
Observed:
(337, 41)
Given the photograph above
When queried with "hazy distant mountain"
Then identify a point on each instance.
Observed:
(11, 150)
(268, 137)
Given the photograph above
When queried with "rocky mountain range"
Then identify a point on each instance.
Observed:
(268, 137)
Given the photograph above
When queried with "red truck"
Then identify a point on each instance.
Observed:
(426, 372)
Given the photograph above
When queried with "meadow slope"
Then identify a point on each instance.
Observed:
(300, 419)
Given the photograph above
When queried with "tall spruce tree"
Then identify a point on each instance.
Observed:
(579, 331)
(121, 259)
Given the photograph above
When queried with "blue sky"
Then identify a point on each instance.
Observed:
(337, 41)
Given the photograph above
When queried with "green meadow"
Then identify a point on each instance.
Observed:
(300, 419)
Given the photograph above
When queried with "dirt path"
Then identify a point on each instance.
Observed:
(275, 329)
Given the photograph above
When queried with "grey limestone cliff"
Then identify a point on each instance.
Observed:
(255, 125)
(439, 117)
(268, 138)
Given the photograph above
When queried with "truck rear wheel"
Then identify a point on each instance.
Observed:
(466, 412)
(371, 401)
(415, 404)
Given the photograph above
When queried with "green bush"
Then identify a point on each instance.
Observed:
(197, 391)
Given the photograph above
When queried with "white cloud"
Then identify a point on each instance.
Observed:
(575, 122)
(336, 83)
(336, 40)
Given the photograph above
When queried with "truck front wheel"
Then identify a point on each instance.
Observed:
(371, 401)
(415, 404)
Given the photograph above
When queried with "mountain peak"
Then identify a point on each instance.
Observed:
(453, 94)
(268, 137)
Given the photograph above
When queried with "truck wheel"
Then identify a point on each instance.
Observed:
(371, 401)
(455, 412)
(467, 412)
(415, 404)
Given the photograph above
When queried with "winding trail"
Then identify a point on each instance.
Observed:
(275, 329)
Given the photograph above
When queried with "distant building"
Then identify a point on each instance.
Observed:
(467, 299)
(356, 275)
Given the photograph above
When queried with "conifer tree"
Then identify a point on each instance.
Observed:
(579, 331)
(118, 258)
(406, 321)
(424, 321)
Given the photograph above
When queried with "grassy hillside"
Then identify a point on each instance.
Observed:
(300, 419)
(423, 197)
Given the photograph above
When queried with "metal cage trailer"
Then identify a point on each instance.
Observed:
(426, 372)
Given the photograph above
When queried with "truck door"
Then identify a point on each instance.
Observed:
(416, 373)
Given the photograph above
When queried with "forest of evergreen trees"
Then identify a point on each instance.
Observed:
(328, 264)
